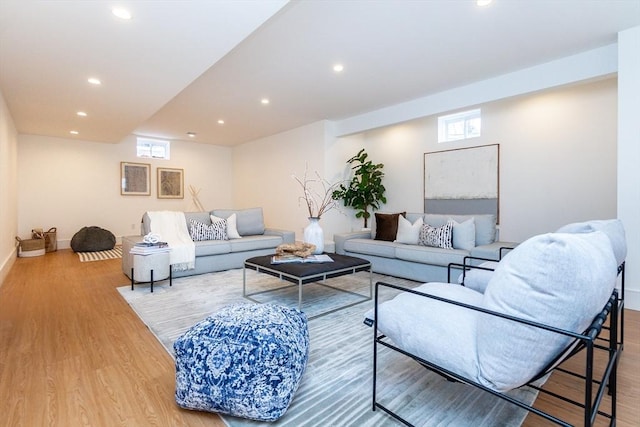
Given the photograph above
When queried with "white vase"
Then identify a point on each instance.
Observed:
(313, 234)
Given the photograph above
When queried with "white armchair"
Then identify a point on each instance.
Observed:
(546, 300)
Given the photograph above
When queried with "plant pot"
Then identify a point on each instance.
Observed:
(313, 234)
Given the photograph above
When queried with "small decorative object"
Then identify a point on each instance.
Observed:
(314, 235)
(170, 183)
(318, 202)
(194, 197)
(365, 189)
(300, 249)
(134, 179)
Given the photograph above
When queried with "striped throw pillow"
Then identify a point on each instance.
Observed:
(437, 237)
(216, 231)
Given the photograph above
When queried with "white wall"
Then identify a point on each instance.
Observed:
(263, 169)
(69, 184)
(557, 157)
(629, 157)
(8, 189)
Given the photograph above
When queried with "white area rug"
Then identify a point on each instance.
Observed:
(114, 253)
(336, 387)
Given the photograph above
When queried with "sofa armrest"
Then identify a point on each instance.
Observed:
(493, 251)
(340, 238)
(287, 236)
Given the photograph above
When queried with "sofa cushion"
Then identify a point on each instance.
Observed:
(430, 255)
(485, 225)
(437, 237)
(387, 226)
(252, 243)
(408, 233)
(613, 228)
(212, 247)
(249, 221)
(371, 247)
(464, 234)
(562, 280)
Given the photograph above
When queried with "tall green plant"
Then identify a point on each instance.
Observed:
(365, 192)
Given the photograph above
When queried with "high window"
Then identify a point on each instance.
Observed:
(466, 124)
(153, 148)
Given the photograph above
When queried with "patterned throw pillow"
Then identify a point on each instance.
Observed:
(437, 237)
(216, 231)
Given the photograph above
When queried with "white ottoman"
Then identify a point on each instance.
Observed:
(150, 268)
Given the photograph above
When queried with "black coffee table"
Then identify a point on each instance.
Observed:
(303, 273)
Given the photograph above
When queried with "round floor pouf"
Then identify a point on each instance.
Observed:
(246, 360)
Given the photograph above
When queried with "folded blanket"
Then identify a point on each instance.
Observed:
(171, 227)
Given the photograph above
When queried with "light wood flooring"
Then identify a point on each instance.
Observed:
(72, 353)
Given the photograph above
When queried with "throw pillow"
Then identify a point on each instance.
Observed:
(464, 234)
(216, 231)
(387, 226)
(408, 233)
(232, 229)
(437, 237)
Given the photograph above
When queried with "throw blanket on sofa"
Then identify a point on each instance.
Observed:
(172, 228)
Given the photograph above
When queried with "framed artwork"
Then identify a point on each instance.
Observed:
(462, 181)
(170, 183)
(135, 179)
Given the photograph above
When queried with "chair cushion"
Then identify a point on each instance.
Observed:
(477, 278)
(613, 228)
(439, 332)
(245, 360)
(558, 279)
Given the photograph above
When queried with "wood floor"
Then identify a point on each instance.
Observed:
(72, 353)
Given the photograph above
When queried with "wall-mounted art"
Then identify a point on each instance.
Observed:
(170, 183)
(462, 181)
(135, 179)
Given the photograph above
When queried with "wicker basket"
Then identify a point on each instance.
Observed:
(30, 247)
(50, 238)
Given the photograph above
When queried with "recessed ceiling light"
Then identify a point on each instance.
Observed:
(338, 68)
(74, 132)
(94, 81)
(483, 3)
(191, 134)
(81, 114)
(264, 101)
(121, 13)
(220, 122)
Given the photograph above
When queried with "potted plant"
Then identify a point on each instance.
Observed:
(365, 191)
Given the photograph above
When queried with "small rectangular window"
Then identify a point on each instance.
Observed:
(153, 148)
(466, 124)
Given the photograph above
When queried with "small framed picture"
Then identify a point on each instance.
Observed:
(170, 183)
(135, 179)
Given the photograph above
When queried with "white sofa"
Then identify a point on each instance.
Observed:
(425, 263)
(218, 255)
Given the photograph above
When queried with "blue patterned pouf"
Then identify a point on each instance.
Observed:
(245, 360)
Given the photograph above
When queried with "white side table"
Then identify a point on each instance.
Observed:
(150, 268)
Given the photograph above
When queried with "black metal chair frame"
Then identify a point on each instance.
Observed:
(586, 341)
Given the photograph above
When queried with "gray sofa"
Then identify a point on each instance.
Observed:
(219, 255)
(424, 263)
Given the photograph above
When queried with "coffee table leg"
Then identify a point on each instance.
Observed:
(300, 294)
(244, 281)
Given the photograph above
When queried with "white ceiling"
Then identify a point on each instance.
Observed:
(179, 66)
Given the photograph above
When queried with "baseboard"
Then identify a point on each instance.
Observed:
(632, 299)
(7, 264)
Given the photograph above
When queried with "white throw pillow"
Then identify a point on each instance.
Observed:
(464, 234)
(232, 230)
(408, 233)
